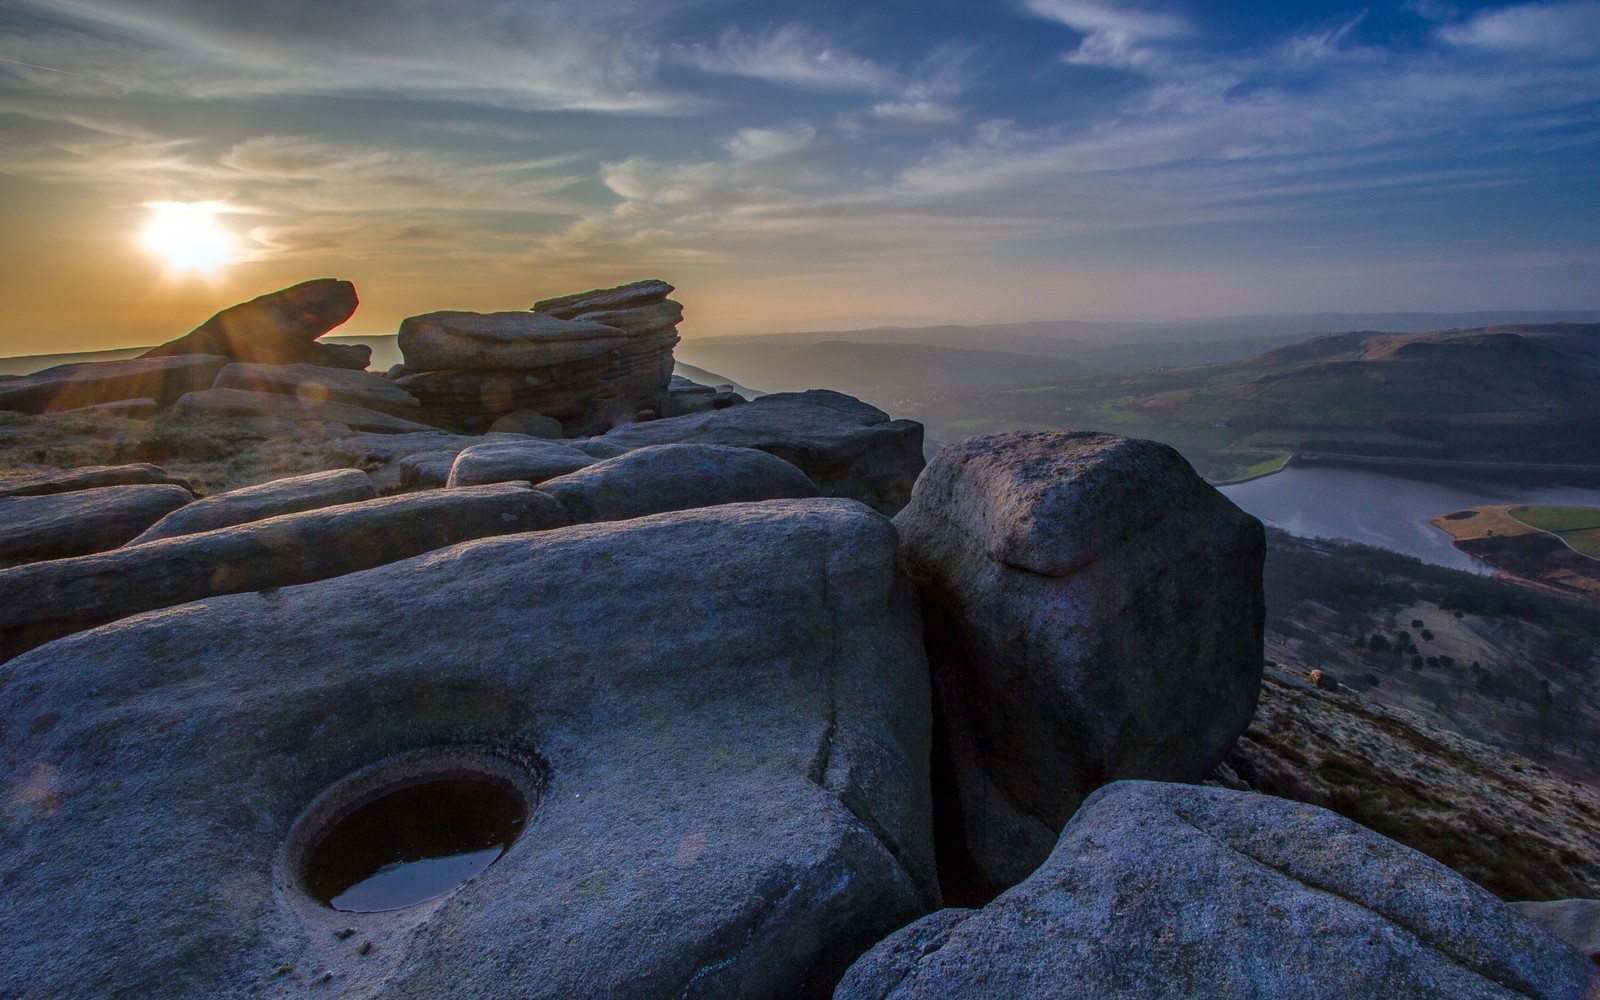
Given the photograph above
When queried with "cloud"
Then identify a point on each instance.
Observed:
(759, 165)
(1569, 30)
(793, 56)
(1114, 36)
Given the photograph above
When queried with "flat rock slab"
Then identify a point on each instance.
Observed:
(45, 601)
(224, 403)
(632, 295)
(468, 341)
(318, 384)
(257, 503)
(531, 460)
(848, 448)
(668, 477)
(87, 383)
(277, 328)
(59, 525)
(1098, 610)
(730, 771)
(1160, 890)
(87, 478)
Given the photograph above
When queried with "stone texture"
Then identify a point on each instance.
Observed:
(222, 403)
(425, 470)
(503, 341)
(669, 477)
(1094, 612)
(86, 478)
(316, 384)
(1575, 921)
(637, 294)
(731, 769)
(848, 448)
(529, 422)
(278, 328)
(256, 503)
(87, 383)
(45, 601)
(382, 455)
(530, 460)
(1160, 890)
(58, 525)
(131, 409)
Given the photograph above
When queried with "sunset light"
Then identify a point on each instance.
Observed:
(187, 237)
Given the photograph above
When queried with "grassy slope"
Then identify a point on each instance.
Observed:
(1579, 527)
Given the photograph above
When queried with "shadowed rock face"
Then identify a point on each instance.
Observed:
(1161, 890)
(219, 403)
(316, 384)
(72, 524)
(669, 477)
(1094, 613)
(278, 328)
(88, 477)
(256, 503)
(730, 770)
(531, 460)
(89, 383)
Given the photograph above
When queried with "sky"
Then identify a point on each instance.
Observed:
(798, 166)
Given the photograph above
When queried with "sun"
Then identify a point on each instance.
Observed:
(187, 236)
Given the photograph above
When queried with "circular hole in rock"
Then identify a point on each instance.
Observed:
(414, 843)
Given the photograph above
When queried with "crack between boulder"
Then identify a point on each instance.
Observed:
(823, 756)
(1329, 891)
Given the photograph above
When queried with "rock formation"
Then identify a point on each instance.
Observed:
(530, 461)
(68, 387)
(279, 328)
(1094, 613)
(59, 525)
(257, 503)
(665, 477)
(222, 403)
(316, 384)
(88, 477)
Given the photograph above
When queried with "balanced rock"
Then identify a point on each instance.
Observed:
(1094, 611)
(222, 403)
(316, 384)
(87, 383)
(88, 477)
(846, 447)
(1158, 890)
(531, 460)
(58, 525)
(725, 777)
(48, 600)
(279, 328)
(668, 477)
(257, 503)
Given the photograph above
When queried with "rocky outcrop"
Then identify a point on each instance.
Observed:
(279, 328)
(685, 397)
(848, 448)
(1159, 890)
(87, 383)
(531, 460)
(58, 525)
(668, 477)
(388, 457)
(86, 478)
(600, 359)
(728, 774)
(225, 403)
(257, 503)
(317, 385)
(529, 422)
(48, 600)
(1094, 613)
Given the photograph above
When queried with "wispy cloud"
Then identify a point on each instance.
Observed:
(1114, 35)
(1569, 30)
(794, 56)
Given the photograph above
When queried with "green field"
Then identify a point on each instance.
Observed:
(1579, 527)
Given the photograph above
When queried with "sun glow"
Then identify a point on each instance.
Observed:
(187, 236)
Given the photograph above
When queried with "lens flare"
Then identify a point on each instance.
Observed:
(187, 237)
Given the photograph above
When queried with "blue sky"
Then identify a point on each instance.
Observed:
(793, 165)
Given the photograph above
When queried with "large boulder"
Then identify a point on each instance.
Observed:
(530, 460)
(59, 525)
(727, 770)
(257, 503)
(848, 448)
(1094, 612)
(48, 600)
(228, 403)
(468, 341)
(88, 477)
(667, 477)
(87, 383)
(1176, 891)
(319, 384)
(279, 328)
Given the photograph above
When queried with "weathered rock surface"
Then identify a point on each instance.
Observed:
(256, 503)
(529, 422)
(503, 341)
(86, 383)
(635, 295)
(215, 403)
(848, 448)
(1160, 890)
(72, 524)
(1575, 921)
(316, 384)
(384, 456)
(1094, 613)
(279, 328)
(669, 477)
(426, 470)
(87, 478)
(531, 460)
(130, 409)
(731, 771)
(45, 601)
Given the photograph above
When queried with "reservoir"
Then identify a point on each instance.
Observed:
(1385, 510)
